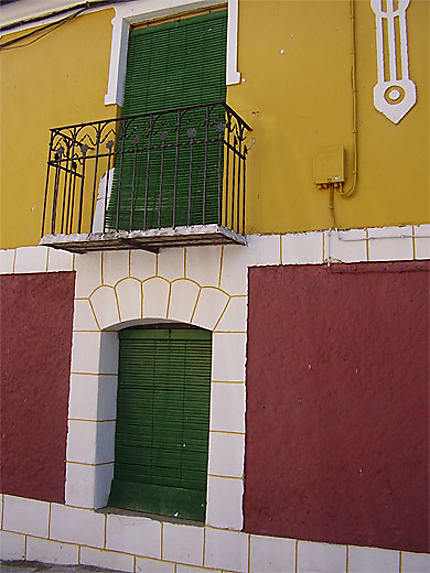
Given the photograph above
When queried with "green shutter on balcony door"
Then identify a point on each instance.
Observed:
(176, 64)
(161, 443)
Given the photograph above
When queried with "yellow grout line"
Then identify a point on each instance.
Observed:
(79, 554)
(25, 548)
(141, 300)
(94, 313)
(195, 305)
(89, 420)
(102, 270)
(323, 246)
(225, 432)
(175, 568)
(161, 540)
(204, 545)
(105, 533)
(13, 261)
(129, 263)
(414, 246)
(221, 266)
(367, 245)
(185, 262)
(49, 520)
(2, 511)
(347, 559)
(156, 265)
(280, 249)
(94, 373)
(228, 381)
(48, 252)
(169, 300)
(134, 563)
(296, 567)
(222, 314)
(249, 553)
(400, 562)
(89, 465)
(117, 304)
(73, 262)
(225, 477)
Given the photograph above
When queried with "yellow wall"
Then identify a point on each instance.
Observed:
(296, 102)
(59, 80)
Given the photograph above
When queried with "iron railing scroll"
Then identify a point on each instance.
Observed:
(171, 168)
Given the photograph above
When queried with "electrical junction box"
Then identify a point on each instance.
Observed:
(329, 165)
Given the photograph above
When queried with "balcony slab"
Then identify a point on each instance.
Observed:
(149, 240)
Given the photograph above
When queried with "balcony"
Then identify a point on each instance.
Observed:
(168, 178)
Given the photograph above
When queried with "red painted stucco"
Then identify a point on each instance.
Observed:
(337, 444)
(36, 332)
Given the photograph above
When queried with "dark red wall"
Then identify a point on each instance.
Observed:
(36, 336)
(337, 445)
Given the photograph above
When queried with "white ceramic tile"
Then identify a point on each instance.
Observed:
(59, 260)
(228, 407)
(95, 353)
(366, 559)
(6, 260)
(51, 552)
(415, 563)
(155, 298)
(210, 306)
(183, 544)
(88, 273)
(226, 550)
(108, 559)
(93, 397)
(422, 241)
(187, 569)
(88, 486)
(31, 259)
(105, 306)
(12, 546)
(115, 266)
(171, 263)
(183, 298)
(224, 503)
(129, 294)
(23, 515)
(302, 248)
(151, 566)
(229, 357)
(142, 264)
(77, 525)
(80, 485)
(136, 535)
(321, 558)
(272, 555)
(235, 317)
(103, 480)
(226, 454)
(261, 250)
(390, 243)
(83, 318)
(346, 246)
(203, 265)
(90, 442)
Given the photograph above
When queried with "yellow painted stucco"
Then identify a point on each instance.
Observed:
(295, 59)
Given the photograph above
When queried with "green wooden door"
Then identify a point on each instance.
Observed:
(161, 443)
(176, 64)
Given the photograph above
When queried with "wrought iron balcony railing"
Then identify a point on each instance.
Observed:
(163, 178)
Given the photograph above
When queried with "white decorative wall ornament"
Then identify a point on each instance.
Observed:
(394, 94)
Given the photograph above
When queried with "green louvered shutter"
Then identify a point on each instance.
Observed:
(171, 65)
(162, 430)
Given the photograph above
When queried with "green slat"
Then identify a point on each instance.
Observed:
(162, 426)
(171, 65)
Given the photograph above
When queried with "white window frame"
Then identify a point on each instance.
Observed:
(133, 12)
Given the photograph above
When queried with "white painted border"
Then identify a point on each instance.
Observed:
(133, 12)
